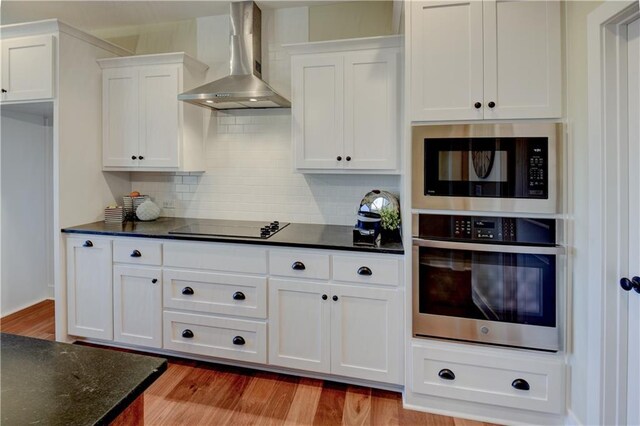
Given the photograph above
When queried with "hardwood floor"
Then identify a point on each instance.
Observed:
(199, 393)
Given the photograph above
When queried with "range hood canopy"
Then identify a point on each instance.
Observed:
(244, 88)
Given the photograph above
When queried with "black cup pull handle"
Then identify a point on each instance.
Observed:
(363, 270)
(187, 291)
(521, 384)
(238, 340)
(238, 295)
(187, 334)
(136, 253)
(446, 374)
(298, 266)
(87, 243)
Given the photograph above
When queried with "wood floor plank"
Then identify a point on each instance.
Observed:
(201, 393)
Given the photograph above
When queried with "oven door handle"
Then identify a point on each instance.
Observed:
(495, 248)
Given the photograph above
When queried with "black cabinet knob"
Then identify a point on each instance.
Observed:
(155, 280)
(140, 157)
(136, 253)
(626, 284)
(87, 243)
(363, 270)
(491, 104)
(4, 90)
(133, 157)
(446, 374)
(238, 340)
(187, 334)
(324, 297)
(635, 281)
(348, 158)
(298, 266)
(521, 384)
(339, 158)
(335, 298)
(477, 105)
(238, 295)
(187, 291)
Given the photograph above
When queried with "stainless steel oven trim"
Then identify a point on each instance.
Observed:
(494, 248)
(552, 205)
(508, 334)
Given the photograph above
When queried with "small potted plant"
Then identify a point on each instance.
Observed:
(390, 225)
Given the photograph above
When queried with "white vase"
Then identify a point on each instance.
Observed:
(148, 211)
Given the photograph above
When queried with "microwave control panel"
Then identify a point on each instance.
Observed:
(512, 230)
(537, 169)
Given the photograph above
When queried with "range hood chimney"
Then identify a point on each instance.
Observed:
(244, 88)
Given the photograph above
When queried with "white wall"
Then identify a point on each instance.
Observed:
(577, 126)
(249, 167)
(27, 246)
(350, 20)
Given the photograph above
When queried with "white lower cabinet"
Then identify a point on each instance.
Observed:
(337, 329)
(89, 287)
(495, 376)
(137, 305)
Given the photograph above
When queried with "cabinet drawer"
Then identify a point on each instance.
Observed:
(366, 269)
(472, 374)
(300, 264)
(219, 257)
(215, 293)
(137, 251)
(242, 340)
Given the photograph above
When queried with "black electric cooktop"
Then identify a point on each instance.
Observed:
(232, 228)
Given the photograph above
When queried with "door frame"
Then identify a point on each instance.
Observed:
(607, 98)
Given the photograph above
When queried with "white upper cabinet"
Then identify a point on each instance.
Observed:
(345, 105)
(145, 127)
(490, 59)
(27, 68)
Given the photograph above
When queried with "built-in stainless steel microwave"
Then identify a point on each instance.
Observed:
(487, 167)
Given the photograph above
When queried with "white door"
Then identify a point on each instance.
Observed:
(371, 109)
(299, 325)
(633, 372)
(120, 117)
(27, 68)
(159, 117)
(366, 333)
(317, 111)
(137, 305)
(521, 59)
(446, 60)
(89, 288)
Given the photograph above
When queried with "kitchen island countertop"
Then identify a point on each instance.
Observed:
(53, 383)
(305, 235)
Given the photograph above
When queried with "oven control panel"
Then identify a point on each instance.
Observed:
(512, 230)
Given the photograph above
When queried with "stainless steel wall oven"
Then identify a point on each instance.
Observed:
(486, 167)
(486, 279)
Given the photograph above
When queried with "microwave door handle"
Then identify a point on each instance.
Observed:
(496, 248)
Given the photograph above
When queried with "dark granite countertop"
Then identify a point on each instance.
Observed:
(53, 383)
(305, 235)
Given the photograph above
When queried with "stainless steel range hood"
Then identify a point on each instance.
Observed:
(244, 88)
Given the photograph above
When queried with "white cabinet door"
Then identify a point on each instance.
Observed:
(366, 333)
(27, 68)
(371, 109)
(522, 59)
(446, 60)
(120, 117)
(137, 305)
(317, 111)
(89, 288)
(159, 116)
(299, 318)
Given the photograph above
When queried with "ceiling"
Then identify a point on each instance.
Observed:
(93, 15)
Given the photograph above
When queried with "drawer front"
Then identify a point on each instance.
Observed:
(209, 292)
(490, 379)
(299, 264)
(215, 336)
(377, 270)
(137, 251)
(219, 257)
